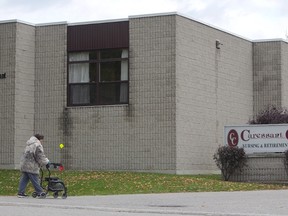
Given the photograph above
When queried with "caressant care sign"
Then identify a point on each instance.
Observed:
(258, 138)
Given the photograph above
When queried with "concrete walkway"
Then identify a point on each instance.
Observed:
(253, 203)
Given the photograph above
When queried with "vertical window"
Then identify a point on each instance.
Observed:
(98, 77)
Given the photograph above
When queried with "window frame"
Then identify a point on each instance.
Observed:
(97, 83)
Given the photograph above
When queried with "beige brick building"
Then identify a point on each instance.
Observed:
(149, 93)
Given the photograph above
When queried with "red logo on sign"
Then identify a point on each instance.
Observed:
(232, 138)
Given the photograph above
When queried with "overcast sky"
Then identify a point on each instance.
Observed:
(251, 19)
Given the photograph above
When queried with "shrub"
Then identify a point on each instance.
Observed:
(228, 159)
(271, 115)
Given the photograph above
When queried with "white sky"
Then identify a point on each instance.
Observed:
(251, 19)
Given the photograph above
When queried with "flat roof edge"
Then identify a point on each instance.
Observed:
(31, 24)
(16, 21)
(52, 23)
(152, 15)
(97, 22)
(270, 40)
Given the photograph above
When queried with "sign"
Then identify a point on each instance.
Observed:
(258, 138)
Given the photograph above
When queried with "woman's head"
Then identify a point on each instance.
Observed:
(39, 136)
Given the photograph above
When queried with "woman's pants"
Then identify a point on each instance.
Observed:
(34, 178)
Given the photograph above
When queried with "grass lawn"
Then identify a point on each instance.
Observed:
(104, 183)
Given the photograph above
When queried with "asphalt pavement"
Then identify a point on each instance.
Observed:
(250, 203)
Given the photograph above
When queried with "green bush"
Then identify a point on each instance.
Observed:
(228, 159)
(271, 115)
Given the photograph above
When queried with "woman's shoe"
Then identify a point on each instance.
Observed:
(22, 195)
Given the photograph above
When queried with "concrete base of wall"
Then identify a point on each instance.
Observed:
(198, 172)
(10, 167)
(266, 168)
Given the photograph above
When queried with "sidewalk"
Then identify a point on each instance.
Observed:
(253, 203)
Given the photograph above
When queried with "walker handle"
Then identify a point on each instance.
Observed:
(55, 165)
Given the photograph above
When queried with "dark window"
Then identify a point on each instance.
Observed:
(98, 77)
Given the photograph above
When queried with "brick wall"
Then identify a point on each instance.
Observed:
(50, 86)
(267, 168)
(152, 90)
(267, 74)
(138, 136)
(284, 74)
(214, 88)
(24, 88)
(16, 90)
(7, 93)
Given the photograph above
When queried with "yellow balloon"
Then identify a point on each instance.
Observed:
(61, 145)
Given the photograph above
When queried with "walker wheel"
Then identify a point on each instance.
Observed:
(55, 195)
(34, 194)
(64, 195)
(42, 195)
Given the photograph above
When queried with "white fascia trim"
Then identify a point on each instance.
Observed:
(52, 23)
(270, 40)
(97, 22)
(153, 15)
(31, 24)
(16, 21)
